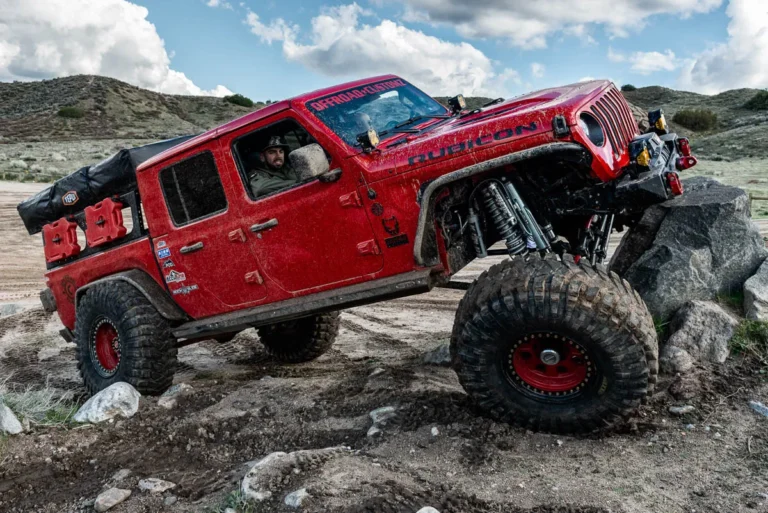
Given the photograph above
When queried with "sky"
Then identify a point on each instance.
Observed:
(275, 49)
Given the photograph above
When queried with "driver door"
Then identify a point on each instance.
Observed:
(310, 235)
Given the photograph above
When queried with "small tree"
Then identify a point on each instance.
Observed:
(239, 99)
(628, 88)
(71, 112)
(758, 102)
(696, 119)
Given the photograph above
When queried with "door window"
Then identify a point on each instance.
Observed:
(263, 157)
(192, 189)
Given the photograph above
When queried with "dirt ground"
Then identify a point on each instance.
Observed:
(244, 406)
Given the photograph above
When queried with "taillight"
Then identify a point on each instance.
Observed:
(684, 163)
(675, 185)
(684, 146)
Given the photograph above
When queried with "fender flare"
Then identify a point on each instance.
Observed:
(144, 283)
(476, 169)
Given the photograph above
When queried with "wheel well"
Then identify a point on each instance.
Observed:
(147, 286)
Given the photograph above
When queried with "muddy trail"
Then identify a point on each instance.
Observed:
(244, 406)
(438, 451)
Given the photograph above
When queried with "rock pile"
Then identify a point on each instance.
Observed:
(698, 246)
(686, 253)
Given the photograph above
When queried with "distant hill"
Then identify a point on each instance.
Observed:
(116, 110)
(739, 132)
(112, 109)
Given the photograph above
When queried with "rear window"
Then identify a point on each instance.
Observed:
(193, 189)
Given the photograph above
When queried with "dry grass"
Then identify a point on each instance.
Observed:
(44, 406)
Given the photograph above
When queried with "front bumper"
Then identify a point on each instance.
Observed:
(656, 182)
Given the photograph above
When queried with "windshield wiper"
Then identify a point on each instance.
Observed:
(398, 129)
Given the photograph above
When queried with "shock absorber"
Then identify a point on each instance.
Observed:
(503, 218)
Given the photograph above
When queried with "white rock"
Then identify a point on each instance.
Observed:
(382, 415)
(9, 423)
(673, 360)
(58, 157)
(373, 431)
(111, 498)
(428, 509)
(276, 466)
(703, 329)
(377, 371)
(121, 474)
(154, 485)
(170, 398)
(756, 295)
(441, 355)
(170, 500)
(435, 432)
(297, 498)
(118, 400)
(681, 410)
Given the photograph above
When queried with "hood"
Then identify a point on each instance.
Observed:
(515, 118)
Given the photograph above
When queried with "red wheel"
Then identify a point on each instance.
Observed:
(549, 364)
(105, 348)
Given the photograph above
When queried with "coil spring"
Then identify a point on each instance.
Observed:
(503, 219)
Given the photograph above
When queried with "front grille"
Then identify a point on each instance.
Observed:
(614, 115)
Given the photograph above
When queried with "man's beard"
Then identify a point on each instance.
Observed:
(277, 165)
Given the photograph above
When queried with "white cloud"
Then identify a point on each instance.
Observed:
(219, 3)
(740, 62)
(528, 24)
(277, 30)
(646, 63)
(340, 45)
(54, 38)
(537, 69)
(616, 56)
(586, 79)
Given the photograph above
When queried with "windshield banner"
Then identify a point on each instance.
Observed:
(354, 94)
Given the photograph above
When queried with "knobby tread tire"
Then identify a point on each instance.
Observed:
(148, 349)
(301, 340)
(516, 296)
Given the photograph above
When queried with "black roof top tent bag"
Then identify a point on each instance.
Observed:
(91, 184)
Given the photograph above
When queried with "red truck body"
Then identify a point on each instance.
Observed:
(329, 234)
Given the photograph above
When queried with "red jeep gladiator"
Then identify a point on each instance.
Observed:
(390, 193)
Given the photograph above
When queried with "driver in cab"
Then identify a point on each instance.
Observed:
(275, 172)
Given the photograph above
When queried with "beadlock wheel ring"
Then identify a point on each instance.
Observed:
(105, 348)
(568, 376)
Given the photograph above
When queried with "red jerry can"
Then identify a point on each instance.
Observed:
(104, 222)
(60, 240)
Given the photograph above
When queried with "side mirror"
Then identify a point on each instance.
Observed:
(309, 162)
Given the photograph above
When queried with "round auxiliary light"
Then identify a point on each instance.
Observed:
(592, 128)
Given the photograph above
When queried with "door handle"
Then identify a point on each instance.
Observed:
(197, 246)
(264, 226)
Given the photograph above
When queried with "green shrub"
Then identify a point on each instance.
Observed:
(696, 119)
(628, 88)
(71, 112)
(239, 99)
(751, 338)
(758, 102)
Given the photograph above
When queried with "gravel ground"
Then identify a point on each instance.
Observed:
(244, 406)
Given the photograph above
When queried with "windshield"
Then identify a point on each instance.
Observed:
(383, 106)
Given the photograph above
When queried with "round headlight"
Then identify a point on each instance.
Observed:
(592, 128)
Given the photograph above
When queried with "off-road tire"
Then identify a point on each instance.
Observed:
(301, 340)
(147, 359)
(581, 304)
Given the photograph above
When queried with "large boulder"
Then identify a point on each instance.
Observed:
(702, 329)
(117, 400)
(756, 295)
(697, 246)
